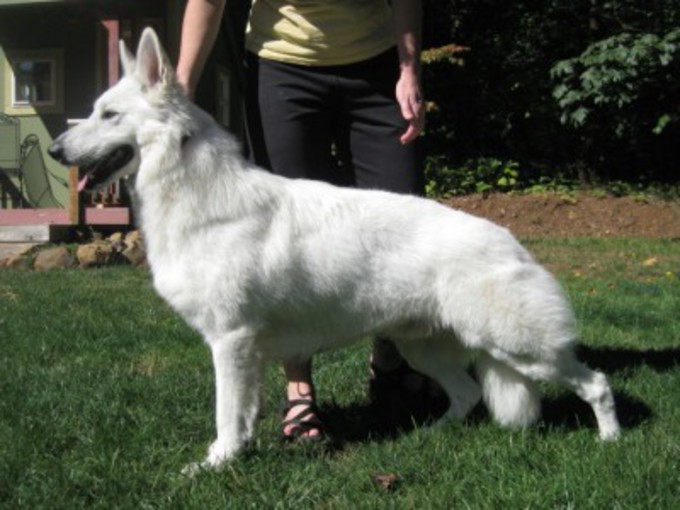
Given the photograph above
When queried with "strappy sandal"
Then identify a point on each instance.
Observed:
(298, 427)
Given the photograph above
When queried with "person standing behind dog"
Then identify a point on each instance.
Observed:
(326, 80)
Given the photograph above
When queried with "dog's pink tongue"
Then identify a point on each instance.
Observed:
(82, 183)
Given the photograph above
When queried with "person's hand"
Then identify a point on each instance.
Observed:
(410, 101)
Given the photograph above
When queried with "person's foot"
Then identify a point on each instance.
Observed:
(301, 421)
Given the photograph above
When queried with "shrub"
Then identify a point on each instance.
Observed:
(611, 65)
(482, 175)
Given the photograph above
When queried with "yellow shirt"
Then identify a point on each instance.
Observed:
(320, 32)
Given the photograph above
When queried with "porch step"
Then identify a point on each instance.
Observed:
(37, 233)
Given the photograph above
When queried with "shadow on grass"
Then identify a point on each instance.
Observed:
(568, 412)
(369, 422)
(615, 360)
(391, 418)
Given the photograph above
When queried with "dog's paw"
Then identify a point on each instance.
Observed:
(196, 468)
(192, 470)
(608, 436)
(218, 455)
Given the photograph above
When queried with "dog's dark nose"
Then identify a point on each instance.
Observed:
(56, 150)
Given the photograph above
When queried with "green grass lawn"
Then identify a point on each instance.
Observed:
(105, 394)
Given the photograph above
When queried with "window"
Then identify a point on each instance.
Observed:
(34, 82)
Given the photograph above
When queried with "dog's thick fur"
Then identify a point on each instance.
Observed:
(268, 268)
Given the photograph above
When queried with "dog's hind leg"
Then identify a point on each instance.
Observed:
(512, 398)
(591, 386)
(238, 372)
(444, 360)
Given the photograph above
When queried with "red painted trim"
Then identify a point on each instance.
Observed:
(107, 216)
(112, 27)
(34, 217)
(92, 216)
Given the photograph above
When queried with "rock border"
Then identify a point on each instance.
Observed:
(116, 249)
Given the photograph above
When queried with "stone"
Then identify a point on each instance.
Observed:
(17, 261)
(135, 254)
(53, 258)
(96, 254)
(117, 241)
(116, 237)
(133, 237)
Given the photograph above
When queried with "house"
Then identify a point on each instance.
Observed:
(56, 57)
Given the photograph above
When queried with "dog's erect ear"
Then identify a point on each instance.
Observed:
(153, 66)
(126, 58)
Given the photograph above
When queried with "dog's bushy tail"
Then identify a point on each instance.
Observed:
(512, 399)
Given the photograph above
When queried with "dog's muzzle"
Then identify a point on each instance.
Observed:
(94, 173)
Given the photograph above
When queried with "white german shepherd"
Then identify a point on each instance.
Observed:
(269, 268)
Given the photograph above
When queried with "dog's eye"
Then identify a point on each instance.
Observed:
(109, 114)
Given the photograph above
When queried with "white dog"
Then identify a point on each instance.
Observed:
(268, 268)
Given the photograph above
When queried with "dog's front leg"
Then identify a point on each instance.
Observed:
(238, 370)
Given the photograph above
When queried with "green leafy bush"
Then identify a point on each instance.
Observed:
(483, 175)
(613, 67)
(614, 76)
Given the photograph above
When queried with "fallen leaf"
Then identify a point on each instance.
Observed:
(386, 481)
(650, 262)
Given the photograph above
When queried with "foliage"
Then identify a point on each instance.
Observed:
(482, 175)
(622, 96)
(500, 104)
(616, 74)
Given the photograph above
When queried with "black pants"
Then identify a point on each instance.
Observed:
(339, 124)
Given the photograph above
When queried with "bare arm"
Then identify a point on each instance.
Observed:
(200, 27)
(407, 21)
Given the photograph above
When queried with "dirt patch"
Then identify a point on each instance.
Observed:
(553, 215)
